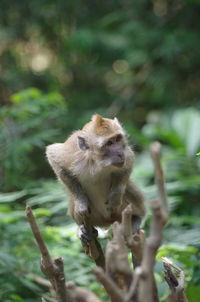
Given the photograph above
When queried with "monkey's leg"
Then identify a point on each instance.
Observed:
(87, 235)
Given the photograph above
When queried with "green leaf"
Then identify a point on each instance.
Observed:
(11, 197)
(186, 122)
(193, 293)
(24, 95)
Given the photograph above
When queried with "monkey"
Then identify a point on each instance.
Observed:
(95, 164)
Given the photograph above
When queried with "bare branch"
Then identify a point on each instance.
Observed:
(132, 293)
(117, 266)
(52, 269)
(80, 294)
(127, 225)
(76, 293)
(138, 246)
(147, 283)
(112, 289)
(134, 241)
(42, 281)
(176, 285)
(159, 175)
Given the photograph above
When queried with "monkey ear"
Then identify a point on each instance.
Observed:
(116, 120)
(98, 120)
(82, 143)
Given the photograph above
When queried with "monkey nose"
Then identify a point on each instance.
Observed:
(121, 157)
(119, 160)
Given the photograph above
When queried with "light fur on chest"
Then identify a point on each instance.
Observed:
(98, 190)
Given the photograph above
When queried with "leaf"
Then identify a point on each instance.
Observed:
(193, 293)
(29, 284)
(186, 122)
(26, 94)
(16, 298)
(11, 197)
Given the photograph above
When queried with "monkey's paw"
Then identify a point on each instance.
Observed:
(83, 210)
(85, 235)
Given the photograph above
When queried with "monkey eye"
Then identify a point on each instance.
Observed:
(109, 142)
(118, 137)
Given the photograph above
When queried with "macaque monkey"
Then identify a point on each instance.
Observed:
(95, 164)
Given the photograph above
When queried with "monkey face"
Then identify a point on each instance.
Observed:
(113, 150)
(104, 142)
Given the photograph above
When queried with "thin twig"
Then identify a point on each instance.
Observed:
(160, 216)
(159, 175)
(147, 283)
(80, 294)
(132, 293)
(41, 281)
(134, 241)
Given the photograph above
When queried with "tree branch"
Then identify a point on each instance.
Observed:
(112, 289)
(176, 285)
(159, 175)
(79, 294)
(52, 269)
(147, 283)
(117, 266)
(133, 241)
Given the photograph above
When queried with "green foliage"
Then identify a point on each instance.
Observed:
(181, 165)
(179, 129)
(31, 122)
(139, 55)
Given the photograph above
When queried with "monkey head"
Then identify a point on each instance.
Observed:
(105, 139)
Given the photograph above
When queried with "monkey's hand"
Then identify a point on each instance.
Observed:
(82, 209)
(85, 235)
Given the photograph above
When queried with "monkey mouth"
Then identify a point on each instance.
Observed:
(118, 161)
(118, 164)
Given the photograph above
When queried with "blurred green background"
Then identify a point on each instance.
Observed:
(60, 62)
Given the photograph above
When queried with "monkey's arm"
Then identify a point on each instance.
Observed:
(82, 204)
(80, 207)
(59, 161)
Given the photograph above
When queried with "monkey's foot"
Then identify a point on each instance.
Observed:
(85, 235)
(136, 221)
